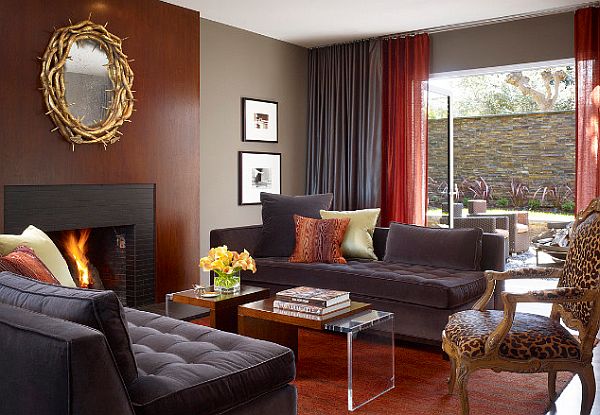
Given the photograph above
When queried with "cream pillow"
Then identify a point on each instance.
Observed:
(358, 240)
(45, 250)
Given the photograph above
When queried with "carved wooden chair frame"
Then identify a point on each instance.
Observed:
(463, 366)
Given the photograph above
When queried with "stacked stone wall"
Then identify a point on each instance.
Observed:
(537, 149)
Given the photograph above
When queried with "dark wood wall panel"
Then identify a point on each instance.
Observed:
(160, 146)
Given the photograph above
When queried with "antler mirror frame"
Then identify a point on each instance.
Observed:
(113, 99)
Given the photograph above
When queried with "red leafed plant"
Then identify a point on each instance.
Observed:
(481, 190)
(519, 193)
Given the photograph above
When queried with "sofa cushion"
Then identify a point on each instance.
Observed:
(45, 250)
(444, 248)
(319, 240)
(278, 238)
(185, 368)
(358, 241)
(394, 281)
(100, 310)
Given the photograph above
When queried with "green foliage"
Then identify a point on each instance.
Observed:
(568, 206)
(490, 94)
(534, 204)
(502, 202)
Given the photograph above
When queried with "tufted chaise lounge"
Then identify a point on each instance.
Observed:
(75, 351)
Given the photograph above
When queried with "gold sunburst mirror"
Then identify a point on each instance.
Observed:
(87, 83)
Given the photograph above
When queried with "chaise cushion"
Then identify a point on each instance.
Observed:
(394, 281)
(458, 249)
(185, 368)
(100, 310)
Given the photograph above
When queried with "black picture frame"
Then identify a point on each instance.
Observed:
(249, 186)
(271, 108)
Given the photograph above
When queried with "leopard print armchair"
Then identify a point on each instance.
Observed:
(526, 343)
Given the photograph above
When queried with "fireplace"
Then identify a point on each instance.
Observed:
(120, 221)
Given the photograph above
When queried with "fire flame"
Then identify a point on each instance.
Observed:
(76, 247)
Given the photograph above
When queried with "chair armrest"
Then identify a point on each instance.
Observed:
(520, 273)
(523, 218)
(525, 273)
(554, 295)
(502, 222)
(557, 295)
(487, 224)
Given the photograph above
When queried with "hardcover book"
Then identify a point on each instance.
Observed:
(308, 308)
(299, 314)
(319, 297)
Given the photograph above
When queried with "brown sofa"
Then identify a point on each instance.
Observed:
(421, 296)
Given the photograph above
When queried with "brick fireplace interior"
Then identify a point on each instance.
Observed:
(120, 220)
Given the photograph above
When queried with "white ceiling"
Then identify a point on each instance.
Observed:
(319, 22)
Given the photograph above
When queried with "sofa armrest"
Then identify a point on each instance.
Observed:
(493, 257)
(237, 239)
(52, 366)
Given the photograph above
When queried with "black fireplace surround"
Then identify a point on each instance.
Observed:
(126, 207)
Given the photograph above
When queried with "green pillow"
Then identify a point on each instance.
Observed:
(358, 240)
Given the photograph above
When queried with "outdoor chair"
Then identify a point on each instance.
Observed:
(518, 230)
(527, 343)
(489, 224)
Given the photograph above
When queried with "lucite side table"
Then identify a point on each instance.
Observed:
(370, 345)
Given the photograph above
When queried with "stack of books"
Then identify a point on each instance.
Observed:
(312, 303)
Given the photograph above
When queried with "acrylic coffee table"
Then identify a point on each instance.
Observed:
(369, 340)
(223, 309)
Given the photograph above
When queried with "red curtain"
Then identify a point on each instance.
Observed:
(405, 71)
(587, 73)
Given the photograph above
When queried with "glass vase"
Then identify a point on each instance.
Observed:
(227, 283)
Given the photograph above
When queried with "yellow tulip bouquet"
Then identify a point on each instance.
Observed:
(227, 266)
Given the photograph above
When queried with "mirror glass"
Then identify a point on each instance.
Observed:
(87, 83)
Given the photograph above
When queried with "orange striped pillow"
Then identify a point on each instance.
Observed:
(319, 240)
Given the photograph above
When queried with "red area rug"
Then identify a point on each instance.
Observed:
(420, 384)
(421, 387)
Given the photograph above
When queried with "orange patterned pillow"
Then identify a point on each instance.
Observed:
(22, 260)
(319, 240)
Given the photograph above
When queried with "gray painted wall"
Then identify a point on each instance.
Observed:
(233, 64)
(521, 41)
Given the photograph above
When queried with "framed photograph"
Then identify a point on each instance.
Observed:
(259, 120)
(258, 172)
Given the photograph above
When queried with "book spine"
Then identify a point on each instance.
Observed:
(298, 314)
(302, 308)
(299, 300)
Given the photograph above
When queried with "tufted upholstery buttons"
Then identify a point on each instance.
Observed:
(442, 288)
(186, 368)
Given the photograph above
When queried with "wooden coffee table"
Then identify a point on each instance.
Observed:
(223, 309)
(261, 320)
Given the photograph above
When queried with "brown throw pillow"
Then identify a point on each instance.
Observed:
(22, 260)
(277, 239)
(319, 240)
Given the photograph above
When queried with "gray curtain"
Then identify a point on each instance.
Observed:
(344, 124)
